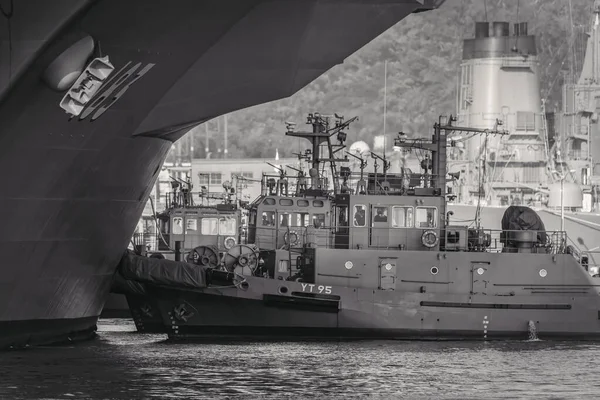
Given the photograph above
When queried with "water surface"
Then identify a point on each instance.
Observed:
(121, 364)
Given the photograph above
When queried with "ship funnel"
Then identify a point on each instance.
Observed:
(482, 29)
(520, 29)
(500, 29)
(499, 83)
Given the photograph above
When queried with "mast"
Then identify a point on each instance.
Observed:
(439, 143)
(384, 106)
(322, 133)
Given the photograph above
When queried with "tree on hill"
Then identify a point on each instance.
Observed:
(423, 54)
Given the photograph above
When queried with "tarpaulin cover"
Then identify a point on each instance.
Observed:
(521, 218)
(125, 286)
(162, 272)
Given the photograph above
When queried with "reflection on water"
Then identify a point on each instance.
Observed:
(121, 364)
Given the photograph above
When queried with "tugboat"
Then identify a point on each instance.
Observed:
(379, 260)
(199, 233)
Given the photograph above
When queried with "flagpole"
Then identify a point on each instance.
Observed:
(384, 106)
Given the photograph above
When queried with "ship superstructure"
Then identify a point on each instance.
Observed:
(499, 82)
(577, 147)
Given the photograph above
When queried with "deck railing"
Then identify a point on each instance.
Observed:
(357, 238)
(390, 183)
(589, 260)
(489, 240)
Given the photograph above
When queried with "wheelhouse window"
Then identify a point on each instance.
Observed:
(318, 220)
(426, 217)
(402, 217)
(191, 224)
(300, 219)
(342, 215)
(227, 226)
(164, 226)
(360, 213)
(302, 203)
(177, 225)
(209, 226)
(268, 218)
(380, 214)
(284, 220)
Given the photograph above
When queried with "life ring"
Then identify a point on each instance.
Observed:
(290, 237)
(429, 238)
(229, 242)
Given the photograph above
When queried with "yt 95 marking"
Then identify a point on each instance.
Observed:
(312, 288)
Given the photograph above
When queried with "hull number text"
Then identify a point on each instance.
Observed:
(309, 287)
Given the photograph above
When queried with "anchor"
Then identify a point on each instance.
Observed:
(181, 313)
(146, 310)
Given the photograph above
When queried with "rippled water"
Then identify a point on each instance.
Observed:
(121, 364)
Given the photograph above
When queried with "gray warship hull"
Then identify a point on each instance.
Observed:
(508, 298)
(82, 181)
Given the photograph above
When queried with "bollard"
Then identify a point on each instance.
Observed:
(178, 250)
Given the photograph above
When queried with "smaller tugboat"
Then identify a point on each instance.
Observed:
(198, 233)
(375, 257)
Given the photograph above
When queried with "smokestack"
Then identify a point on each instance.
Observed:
(482, 30)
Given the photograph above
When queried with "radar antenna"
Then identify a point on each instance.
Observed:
(361, 188)
(183, 196)
(385, 185)
(323, 132)
(282, 183)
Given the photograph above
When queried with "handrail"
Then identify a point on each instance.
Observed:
(350, 237)
(406, 238)
(294, 186)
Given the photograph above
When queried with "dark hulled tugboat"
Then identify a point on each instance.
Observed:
(199, 233)
(376, 257)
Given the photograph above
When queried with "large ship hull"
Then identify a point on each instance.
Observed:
(509, 297)
(77, 185)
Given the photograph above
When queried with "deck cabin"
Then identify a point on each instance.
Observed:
(378, 221)
(217, 226)
(277, 218)
(184, 225)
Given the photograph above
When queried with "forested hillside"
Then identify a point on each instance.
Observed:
(423, 54)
